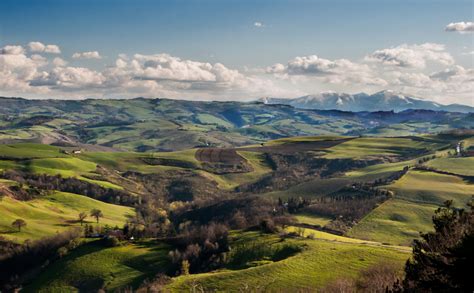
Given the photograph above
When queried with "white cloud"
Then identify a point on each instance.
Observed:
(12, 50)
(53, 49)
(40, 47)
(70, 78)
(460, 27)
(403, 68)
(59, 62)
(339, 71)
(412, 56)
(258, 24)
(87, 55)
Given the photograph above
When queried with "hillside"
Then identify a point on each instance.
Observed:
(166, 125)
(337, 202)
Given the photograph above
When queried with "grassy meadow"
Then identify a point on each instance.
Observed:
(417, 194)
(93, 266)
(55, 213)
(311, 268)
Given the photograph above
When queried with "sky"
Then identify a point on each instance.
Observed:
(236, 50)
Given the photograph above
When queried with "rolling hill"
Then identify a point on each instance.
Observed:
(166, 125)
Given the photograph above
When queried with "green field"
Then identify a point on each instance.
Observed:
(378, 171)
(92, 267)
(417, 195)
(396, 222)
(55, 213)
(29, 150)
(432, 188)
(462, 166)
(312, 219)
(313, 268)
(383, 146)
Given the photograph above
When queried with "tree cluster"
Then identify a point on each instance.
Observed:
(17, 260)
(200, 248)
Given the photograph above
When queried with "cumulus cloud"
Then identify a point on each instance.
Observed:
(12, 50)
(40, 47)
(460, 27)
(403, 68)
(87, 55)
(16, 69)
(339, 71)
(69, 78)
(59, 62)
(412, 56)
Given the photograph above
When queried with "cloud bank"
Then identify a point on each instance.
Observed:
(424, 70)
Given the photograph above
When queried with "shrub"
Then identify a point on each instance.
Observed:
(378, 278)
(112, 241)
(62, 251)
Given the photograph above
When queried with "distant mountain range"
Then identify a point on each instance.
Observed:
(382, 101)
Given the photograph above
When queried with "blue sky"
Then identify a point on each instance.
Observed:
(225, 32)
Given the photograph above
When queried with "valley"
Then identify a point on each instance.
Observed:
(318, 202)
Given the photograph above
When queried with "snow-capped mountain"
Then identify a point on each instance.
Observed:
(382, 101)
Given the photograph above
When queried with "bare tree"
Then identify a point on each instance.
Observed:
(82, 216)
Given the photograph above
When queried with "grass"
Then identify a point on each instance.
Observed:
(66, 167)
(432, 188)
(211, 119)
(303, 139)
(378, 171)
(462, 166)
(92, 267)
(54, 213)
(312, 219)
(396, 222)
(29, 150)
(382, 146)
(311, 269)
(69, 167)
(417, 194)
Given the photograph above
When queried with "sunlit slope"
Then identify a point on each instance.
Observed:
(461, 165)
(99, 267)
(55, 213)
(417, 195)
(385, 146)
(313, 268)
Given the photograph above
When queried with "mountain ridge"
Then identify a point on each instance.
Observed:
(386, 100)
